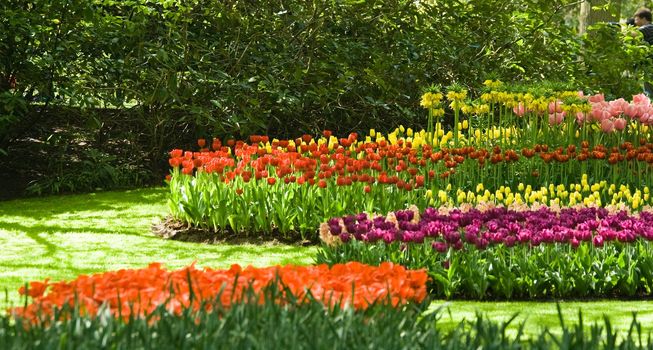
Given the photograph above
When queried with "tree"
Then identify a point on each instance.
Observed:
(596, 11)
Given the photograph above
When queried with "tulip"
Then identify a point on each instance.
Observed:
(555, 107)
(598, 241)
(519, 110)
(619, 124)
(556, 118)
(607, 125)
(440, 247)
(641, 99)
(596, 98)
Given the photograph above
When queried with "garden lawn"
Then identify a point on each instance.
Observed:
(538, 314)
(64, 236)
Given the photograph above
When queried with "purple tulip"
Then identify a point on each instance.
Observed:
(361, 217)
(509, 241)
(574, 243)
(349, 220)
(598, 241)
(335, 229)
(471, 237)
(482, 243)
(441, 247)
(500, 226)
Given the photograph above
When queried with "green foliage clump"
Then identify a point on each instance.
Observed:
(521, 272)
(237, 68)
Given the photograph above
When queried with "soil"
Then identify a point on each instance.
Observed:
(179, 231)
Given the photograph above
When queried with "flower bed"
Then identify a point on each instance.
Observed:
(290, 191)
(139, 292)
(450, 228)
(501, 253)
(509, 137)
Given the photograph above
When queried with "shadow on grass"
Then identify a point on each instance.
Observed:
(34, 231)
(49, 207)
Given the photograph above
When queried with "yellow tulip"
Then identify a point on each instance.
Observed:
(510, 199)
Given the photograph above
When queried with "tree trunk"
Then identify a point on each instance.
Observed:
(589, 16)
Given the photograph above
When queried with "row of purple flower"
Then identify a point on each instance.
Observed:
(492, 227)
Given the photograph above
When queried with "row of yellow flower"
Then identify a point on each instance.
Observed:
(457, 100)
(598, 194)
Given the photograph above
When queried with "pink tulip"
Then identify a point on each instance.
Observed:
(581, 118)
(620, 124)
(641, 109)
(556, 118)
(631, 111)
(641, 99)
(597, 114)
(555, 106)
(519, 110)
(617, 106)
(607, 125)
(596, 98)
(581, 94)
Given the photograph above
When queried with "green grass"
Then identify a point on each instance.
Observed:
(63, 236)
(538, 314)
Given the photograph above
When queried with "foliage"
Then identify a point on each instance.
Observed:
(97, 170)
(521, 272)
(277, 66)
(307, 324)
(618, 60)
